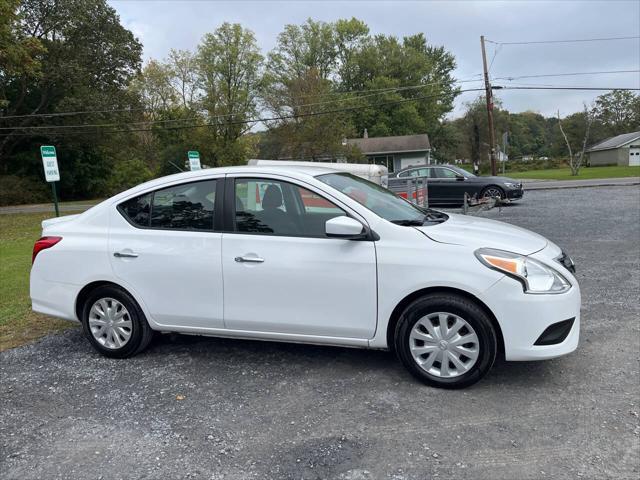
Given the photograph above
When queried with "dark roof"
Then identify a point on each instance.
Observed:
(402, 143)
(615, 142)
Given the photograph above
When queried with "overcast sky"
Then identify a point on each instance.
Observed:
(457, 25)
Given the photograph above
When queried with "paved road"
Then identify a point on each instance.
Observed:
(195, 407)
(596, 182)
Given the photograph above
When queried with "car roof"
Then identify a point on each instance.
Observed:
(300, 172)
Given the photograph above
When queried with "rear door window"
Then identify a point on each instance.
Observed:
(137, 210)
(188, 206)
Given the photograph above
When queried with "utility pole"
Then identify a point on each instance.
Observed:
(489, 97)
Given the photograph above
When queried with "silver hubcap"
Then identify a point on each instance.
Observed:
(444, 345)
(110, 323)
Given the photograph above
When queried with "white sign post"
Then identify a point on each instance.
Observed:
(194, 160)
(51, 172)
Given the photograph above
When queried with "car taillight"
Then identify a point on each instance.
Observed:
(43, 244)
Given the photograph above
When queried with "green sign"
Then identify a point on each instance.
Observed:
(51, 172)
(194, 160)
(50, 163)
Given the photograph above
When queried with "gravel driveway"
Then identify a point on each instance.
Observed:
(209, 408)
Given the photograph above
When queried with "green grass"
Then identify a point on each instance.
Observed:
(585, 173)
(18, 324)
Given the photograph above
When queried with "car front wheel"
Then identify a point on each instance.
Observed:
(446, 340)
(114, 323)
(493, 192)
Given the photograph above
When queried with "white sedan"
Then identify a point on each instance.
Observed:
(309, 255)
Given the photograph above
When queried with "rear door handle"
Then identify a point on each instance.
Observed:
(249, 259)
(125, 255)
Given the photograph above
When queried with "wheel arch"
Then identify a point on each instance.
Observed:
(84, 293)
(399, 308)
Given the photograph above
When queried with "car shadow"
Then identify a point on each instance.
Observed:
(250, 354)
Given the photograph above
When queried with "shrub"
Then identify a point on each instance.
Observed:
(127, 174)
(15, 190)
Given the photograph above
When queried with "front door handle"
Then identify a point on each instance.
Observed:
(249, 259)
(125, 255)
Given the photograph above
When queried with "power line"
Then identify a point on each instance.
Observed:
(147, 122)
(370, 93)
(578, 40)
(539, 87)
(327, 112)
(565, 74)
(265, 119)
(351, 92)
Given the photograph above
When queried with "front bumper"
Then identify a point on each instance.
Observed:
(515, 194)
(523, 318)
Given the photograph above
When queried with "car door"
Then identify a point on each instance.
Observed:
(164, 247)
(283, 274)
(437, 187)
(449, 189)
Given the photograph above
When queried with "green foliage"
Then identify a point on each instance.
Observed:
(339, 62)
(618, 112)
(328, 80)
(128, 173)
(85, 61)
(16, 190)
(533, 135)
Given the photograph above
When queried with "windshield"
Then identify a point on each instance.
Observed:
(380, 201)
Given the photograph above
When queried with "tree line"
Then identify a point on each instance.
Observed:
(530, 135)
(72, 75)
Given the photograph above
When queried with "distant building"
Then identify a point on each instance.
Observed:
(621, 150)
(396, 152)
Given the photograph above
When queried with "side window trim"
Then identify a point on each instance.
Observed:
(217, 213)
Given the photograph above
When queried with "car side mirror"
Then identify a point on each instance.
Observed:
(346, 227)
(460, 177)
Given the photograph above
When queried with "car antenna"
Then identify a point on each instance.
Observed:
(180, 169)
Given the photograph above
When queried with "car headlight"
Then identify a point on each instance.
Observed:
(511, 185)
(535, 276)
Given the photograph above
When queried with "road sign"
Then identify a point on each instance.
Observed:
(50, 163)
(194, 160)
(51, 172)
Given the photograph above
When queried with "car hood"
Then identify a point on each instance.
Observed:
(477, 232)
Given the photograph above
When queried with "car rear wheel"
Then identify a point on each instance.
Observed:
(114, 323)
(492, 192)
(446, 340)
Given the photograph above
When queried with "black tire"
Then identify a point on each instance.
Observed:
(456, 305)
(486, 190)
(141, 333)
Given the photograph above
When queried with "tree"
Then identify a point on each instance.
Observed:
(183, 66)
(85, 61)
(19, 53)
(576, 160)
(618, 111)
(230, 69)
(301, 48)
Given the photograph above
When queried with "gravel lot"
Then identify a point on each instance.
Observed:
(209, 408)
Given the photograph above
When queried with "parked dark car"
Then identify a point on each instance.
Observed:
(447, 184)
